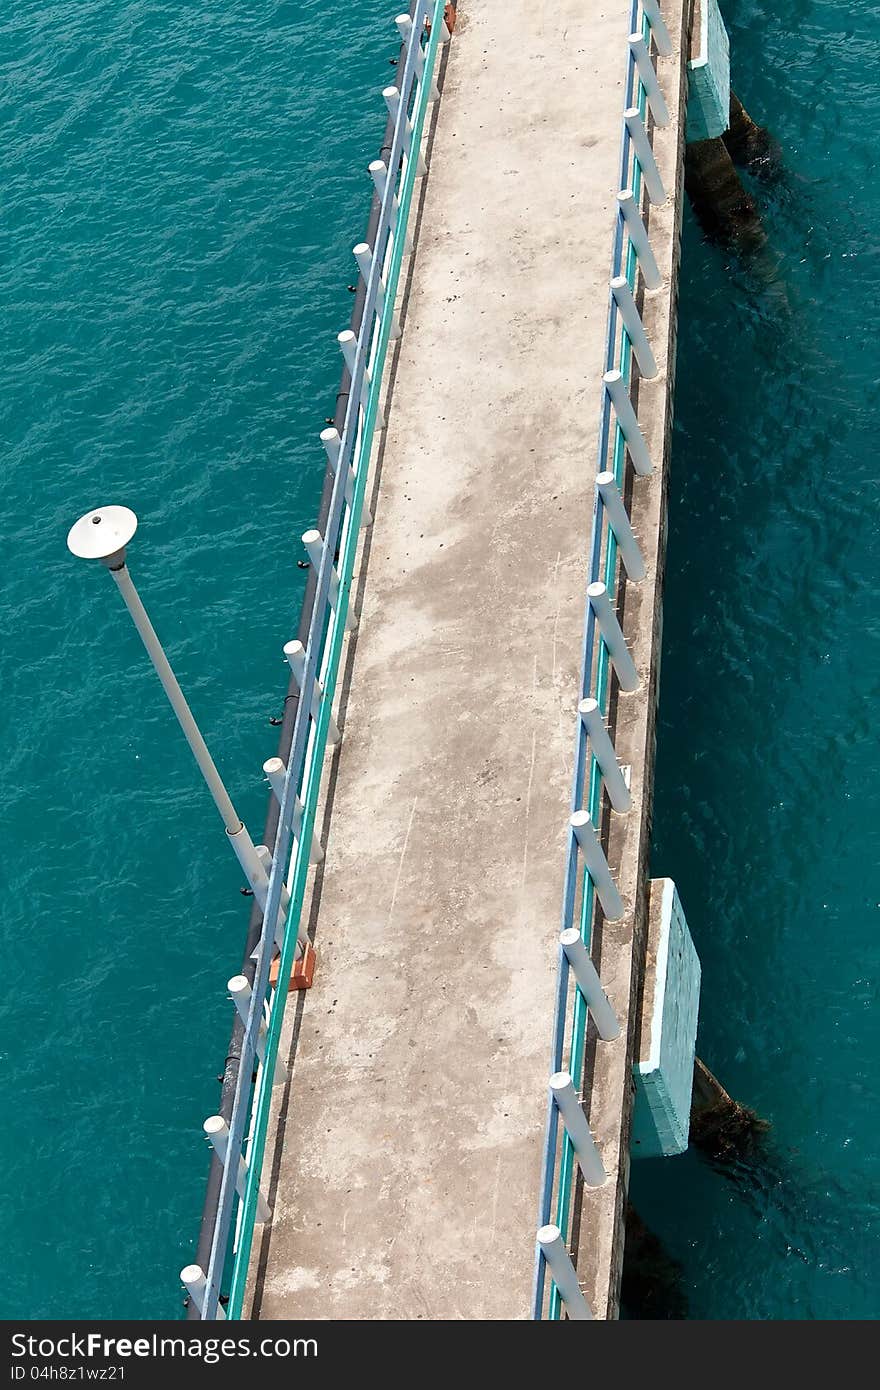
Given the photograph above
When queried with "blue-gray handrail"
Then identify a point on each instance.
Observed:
(328, 615)
(585, 773)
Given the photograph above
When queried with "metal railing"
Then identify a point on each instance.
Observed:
(240, 1143)
(613, 544)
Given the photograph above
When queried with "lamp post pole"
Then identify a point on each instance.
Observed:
(103, 535)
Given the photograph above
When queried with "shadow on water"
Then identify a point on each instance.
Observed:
(653, 1283)
(800, 1205)
(798, 1209)
(722, 1128)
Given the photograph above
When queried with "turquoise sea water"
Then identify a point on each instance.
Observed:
(768, 788)
(182, 186)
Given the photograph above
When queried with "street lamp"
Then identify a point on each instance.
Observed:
(103, 535)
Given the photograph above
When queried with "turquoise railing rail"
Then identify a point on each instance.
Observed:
(571, 1010)
(237, 1213)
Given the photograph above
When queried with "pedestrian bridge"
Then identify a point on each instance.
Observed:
(488, 650)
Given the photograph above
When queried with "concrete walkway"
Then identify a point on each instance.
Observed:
(407, 1151)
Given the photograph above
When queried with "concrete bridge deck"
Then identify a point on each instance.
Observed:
(404, 1167)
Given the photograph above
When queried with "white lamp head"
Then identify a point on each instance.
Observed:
(102, 534)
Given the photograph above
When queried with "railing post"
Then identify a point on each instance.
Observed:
(217, 1131)
(589, 984)
(240, 992)
(619, 793)
(658, 27)
(314, 544)
(296, 660)
(276, 772)
(613, 636)
(644, 153)
(253, 859)
(347, 341)
(332, 448)
(364, 257)
(564, 1274)
(392, 101)
(265, 855)
(192, 1277)
(577, 1128)
(619, 522)
(404, 29)
(629, 425)
(639, 238)
(379, 175)
(632, 322)
(594, 857)
(656, 99)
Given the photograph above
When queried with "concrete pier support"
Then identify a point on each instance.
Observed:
(664, 1070)
(749, 144)
(720, 1126)
(720, 134)
(724, 208)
